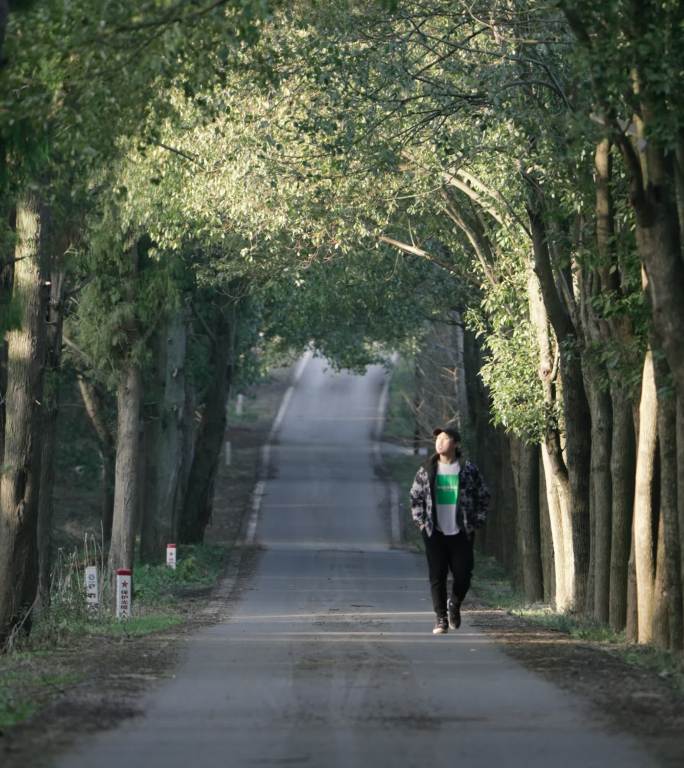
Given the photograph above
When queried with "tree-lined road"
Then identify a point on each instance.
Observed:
(328, 658)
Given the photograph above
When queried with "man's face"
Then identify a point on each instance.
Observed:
(444, 444)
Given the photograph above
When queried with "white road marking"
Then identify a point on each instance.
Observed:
(318, 615)
(254, 517)
(260, 487)
(301, 365)
(394, 515)
(281, 413)
(382, 407)
(265, 461)
(325, 546)
(395, 529)
(277, 422)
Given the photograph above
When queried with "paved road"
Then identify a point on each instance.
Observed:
(328, 659)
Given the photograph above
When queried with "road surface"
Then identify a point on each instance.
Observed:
(328, 658)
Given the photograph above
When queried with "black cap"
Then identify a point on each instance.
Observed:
(451, 431)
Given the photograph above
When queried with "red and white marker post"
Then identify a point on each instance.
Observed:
(124, 597)
(171, 555)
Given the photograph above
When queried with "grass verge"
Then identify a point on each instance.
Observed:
(24, 689)
(198, 568)
(159, 593)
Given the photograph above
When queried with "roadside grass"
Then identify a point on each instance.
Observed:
(491, 584)
(23, 689)
(159, 592)
(198, 568)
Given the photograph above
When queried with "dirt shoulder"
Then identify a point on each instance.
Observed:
(624, 696)
(98, 680)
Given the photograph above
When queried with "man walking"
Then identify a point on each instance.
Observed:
(449, 501)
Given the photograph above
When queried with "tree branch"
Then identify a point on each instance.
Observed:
(477, 240)
(73, 346)
(560, 319)
(415, 251)
(495, 195)
(203, 323)
(453, 181)
(181, 153)
(636, 176)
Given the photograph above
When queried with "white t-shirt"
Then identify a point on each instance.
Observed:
(447, 483)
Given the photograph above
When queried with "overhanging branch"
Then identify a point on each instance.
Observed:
(415, 251)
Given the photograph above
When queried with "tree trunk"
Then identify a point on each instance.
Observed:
(680, 490)
(45, 502)
(94, 406)
(575, 408)
(150, 437)
(558, 499)
(548, 567)
(3, 395)
(4, 15)
(666, 284)
(188, 447)
(128, 402)
(643, 502)
(507, 544)
(615, 331)
(6, 289)
(199, 494)
(668, 564)
(513, 565)
(601, 430)
(679, 183)
(600, 404)
(661, 618)
(653, 197)
(555, 472)
(460, 394)
(631, 618)
(19, 484)
(49, 428)
(547, 555)
(622, 470)
(160, 524)
(578, 449)
(529, 542)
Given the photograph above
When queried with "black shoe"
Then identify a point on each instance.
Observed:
(441, 626)
(454, 614)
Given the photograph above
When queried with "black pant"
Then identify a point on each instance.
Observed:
(444, 554)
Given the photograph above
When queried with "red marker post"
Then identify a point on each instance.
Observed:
(171, 555)
(124, 583)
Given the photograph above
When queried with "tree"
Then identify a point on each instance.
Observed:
(19, 484)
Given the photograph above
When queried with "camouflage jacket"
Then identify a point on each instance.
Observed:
(473, 497)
